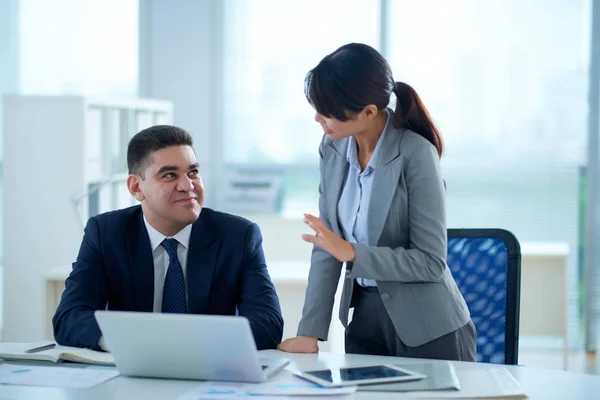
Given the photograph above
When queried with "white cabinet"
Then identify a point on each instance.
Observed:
(64, 160)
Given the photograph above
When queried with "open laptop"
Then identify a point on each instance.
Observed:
(185, 346)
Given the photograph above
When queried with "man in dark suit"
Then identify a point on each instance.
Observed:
(169, 254)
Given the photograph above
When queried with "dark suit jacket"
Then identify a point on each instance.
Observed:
(226, 270)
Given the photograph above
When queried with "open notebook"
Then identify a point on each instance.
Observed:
(17, 351)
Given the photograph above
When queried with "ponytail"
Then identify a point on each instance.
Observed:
(411, 114)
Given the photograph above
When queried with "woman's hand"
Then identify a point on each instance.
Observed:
(299, 344)
(327, 240)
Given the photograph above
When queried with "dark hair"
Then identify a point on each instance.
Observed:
(355, 76)
(149, 140)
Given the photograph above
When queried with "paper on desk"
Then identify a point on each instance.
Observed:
(221, 390)
(492, 383)
(60, 377)
(285, 384)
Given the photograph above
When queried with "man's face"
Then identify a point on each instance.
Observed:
(171, 191)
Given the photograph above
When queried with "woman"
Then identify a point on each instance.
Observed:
(382, 212)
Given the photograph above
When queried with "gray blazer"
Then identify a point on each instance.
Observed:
(407, 248)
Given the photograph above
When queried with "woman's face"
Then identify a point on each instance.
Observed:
(337, 129)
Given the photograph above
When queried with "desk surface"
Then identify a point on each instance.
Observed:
(538, 384)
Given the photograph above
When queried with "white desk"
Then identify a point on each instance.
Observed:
(538, 384)
(544, 292)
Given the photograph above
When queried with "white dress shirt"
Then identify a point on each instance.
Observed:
(161, 258)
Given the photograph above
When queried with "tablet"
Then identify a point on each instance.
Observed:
(359, 375)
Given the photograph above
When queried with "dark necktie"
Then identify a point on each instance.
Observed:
(174, 290)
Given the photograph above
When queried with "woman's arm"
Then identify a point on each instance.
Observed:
(323, 277)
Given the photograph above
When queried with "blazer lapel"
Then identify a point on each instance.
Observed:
(141, 262)
(201, 260)
(385, 182)
(336, 171)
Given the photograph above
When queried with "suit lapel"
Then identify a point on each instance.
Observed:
(201, 260)
(385, 182)
(141, 262)
(336, 171)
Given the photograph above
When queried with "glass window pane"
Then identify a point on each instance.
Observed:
(75, 47)
(270, 45)
(506, 81)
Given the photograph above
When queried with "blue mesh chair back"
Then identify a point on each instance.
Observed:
(486, 264)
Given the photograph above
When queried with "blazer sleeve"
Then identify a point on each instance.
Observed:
(85, 292)
(323, 276)
(425, 259)
(258, 299)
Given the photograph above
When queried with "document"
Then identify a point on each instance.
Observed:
(222, 390)
(287, 384)
(284, 385)
(491, 383)
(53, 376)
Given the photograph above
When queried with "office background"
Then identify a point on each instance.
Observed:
(508, 82)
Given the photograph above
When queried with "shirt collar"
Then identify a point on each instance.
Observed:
(352, 153)
(156, 238)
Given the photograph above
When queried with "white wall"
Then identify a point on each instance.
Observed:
(9, 53)
(9, 83)
(180, 46)
(281, 238)
(40, 228)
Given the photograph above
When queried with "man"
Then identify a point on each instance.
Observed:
(166, 255)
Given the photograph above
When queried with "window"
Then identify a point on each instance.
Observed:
(506, 82)
(270, 45)
(76, 47)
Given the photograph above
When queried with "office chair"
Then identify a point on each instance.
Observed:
(486, 264)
